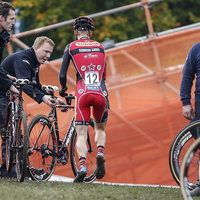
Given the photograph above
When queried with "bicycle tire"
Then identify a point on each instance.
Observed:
(179, 147)
(9, 138)
(190, 169)
(36, 158)
(21, 147)
(91, 155)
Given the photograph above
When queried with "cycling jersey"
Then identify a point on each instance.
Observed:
(89, 62)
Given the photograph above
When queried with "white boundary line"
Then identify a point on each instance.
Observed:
(67, 179)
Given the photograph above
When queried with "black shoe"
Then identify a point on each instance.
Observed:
(81, 175)
(38, 172)
(5, 174)
(100, 167)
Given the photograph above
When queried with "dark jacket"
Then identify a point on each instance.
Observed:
(190, 70)
(24, 64)
(5, 82)
(4, 39)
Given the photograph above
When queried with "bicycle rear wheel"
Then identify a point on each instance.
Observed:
(91, 155)
(43, 148)
(10, 127)
(179, 147)
(21, 146)
(190, 171)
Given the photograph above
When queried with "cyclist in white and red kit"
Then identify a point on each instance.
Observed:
(88, 58)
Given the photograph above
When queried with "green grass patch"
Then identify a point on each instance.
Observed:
(10, 189)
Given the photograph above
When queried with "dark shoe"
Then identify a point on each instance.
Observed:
(38, 172)
(81, 175)
(5, 174)
(100, 167)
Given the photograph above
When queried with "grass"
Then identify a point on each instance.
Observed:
(10, 189)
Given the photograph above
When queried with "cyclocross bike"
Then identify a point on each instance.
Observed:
(190, 171)
(16, 133)
(47, 150)
(181, 143)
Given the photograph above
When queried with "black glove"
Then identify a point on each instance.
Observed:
(62, 91)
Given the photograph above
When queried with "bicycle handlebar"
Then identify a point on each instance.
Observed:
(21, 82)
(69, 97)
(50, 88)
(68, 100)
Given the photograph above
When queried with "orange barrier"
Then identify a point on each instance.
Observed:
(143, 82)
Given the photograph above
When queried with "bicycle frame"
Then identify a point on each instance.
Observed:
(69, 133)
(14, 108)
(54, 123)
(17, 133)
(17, 107)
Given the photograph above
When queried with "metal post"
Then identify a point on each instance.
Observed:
(159, 73)
(10, 49)
(145, 4)
(100, 14)
(19, 43)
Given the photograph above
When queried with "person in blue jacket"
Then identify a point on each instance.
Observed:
(190, 71)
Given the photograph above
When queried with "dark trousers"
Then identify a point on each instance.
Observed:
(196, 117)
(3, 111)
(3, 104)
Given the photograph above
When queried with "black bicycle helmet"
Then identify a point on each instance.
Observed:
(84, 23)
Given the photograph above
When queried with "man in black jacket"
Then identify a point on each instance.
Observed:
(25, 64)
(7, 20)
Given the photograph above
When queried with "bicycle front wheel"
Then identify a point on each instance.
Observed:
(190, 171)
(91, 155)
(179, 147)
(43, 147)
(21, 146)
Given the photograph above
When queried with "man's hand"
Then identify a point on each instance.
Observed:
(13, 91)
(60, 102)
(188, 112)
(11, 77)
(49, 100)
(62, 91)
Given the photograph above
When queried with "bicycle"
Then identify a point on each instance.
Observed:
(16, 133)
(181, 143)
(47, 150)
(190, 171)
